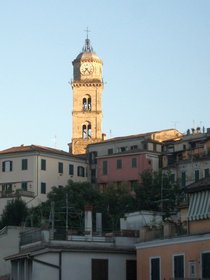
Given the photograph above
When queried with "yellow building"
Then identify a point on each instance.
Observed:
(87, 87)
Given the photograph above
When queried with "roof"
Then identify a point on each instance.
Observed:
(203, 184)
(129, 152)
(87, 53)
(34, 148)
(143, 135)
(68, 246)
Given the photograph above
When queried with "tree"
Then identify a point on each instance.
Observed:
(115, 202)
(157, 191)
(73, 196)
(14, 213)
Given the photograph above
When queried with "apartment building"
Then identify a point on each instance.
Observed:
(179, 248)
(188, 159)
(123, 159)
(30, 172)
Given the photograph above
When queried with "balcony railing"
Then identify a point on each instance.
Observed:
(17, 193)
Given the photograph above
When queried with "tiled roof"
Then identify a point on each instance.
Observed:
(120, 138)
(203, 184)
(34, 148)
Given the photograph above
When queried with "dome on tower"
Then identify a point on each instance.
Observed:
(87, 66)
(87, 53)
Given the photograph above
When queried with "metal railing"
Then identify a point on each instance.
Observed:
(30, 236)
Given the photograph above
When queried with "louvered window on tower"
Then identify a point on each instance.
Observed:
(86, 131)
(84, 104)
(89, 104)
(89, 131)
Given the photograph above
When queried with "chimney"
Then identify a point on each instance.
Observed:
(88, 220)
(103, 136)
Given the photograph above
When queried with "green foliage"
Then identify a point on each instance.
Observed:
(157, 192)
(74, 196)
(115, 202)
(15, 213)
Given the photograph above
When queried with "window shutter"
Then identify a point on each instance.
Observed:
(3, 166)
(10, 165)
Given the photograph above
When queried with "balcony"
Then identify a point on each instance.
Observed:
(17, 193)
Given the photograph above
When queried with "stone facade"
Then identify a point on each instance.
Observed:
(87, 87)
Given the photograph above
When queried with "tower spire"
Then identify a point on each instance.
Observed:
(87, 47)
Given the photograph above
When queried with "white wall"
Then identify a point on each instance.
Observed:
(34, 175)
(9, 244)
(77, 265)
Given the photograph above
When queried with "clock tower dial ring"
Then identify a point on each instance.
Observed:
(86, 68)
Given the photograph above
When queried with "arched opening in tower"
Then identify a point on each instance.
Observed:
(86, 130)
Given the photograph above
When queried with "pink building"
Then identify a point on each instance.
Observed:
(125, 167)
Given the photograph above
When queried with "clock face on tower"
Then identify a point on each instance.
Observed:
(86, 68)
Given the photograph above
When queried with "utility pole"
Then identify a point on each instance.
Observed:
(53, 218)
(67, 215)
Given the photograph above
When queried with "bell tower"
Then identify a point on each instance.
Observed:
(87, 88)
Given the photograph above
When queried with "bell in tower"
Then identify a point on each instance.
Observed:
(87, 88)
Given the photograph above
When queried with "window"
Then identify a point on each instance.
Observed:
(183, 179)
(24, 164)
(7, 166)
(71, 169)
(86, 104)
(89, 104)
(60, 167)
(122, 149)
(155, 268)
(104, 167)
(80, 171)
(134, 147)
(86, 131)
(110, 151)
(179, 266)
(130, 270)
(7, 188)
(133, 162)
(196, 175)
(99, 269)
(206, 172)
(119, 163)
(24, 186)
(43, 164)
(43, 188)
(206, 265)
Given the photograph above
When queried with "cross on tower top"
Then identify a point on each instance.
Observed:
(87, 31)
(87, 47)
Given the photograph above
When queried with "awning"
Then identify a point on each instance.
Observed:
(199, 207)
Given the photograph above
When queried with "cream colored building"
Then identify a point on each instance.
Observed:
(87, 87)
(32, 171)
(188, 159)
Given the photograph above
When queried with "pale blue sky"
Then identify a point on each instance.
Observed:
(156, 57)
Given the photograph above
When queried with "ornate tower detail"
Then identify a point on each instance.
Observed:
(87, 87)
